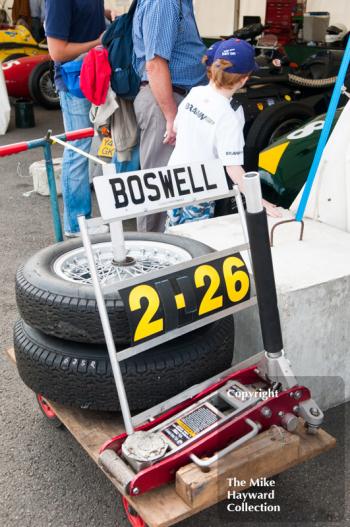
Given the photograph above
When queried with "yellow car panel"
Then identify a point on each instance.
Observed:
(18, 40)
(269, 159)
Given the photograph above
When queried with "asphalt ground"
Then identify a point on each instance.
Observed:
(46, 479)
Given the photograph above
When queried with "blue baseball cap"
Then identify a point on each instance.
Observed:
(211, 52)
(240, 53)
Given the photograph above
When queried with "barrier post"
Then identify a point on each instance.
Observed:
(55, 210)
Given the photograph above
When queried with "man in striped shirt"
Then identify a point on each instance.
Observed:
(168, 53)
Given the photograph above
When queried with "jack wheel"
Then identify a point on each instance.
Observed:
(48, 411)
(134, 519)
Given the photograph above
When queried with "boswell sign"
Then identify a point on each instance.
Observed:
(131, 194)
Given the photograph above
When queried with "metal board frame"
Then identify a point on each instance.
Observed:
(115, 357)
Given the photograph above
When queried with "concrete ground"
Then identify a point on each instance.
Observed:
(46, 479)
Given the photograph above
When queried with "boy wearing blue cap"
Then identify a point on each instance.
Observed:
(207, 127)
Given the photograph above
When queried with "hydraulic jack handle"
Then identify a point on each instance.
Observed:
(205, 464)
(262, 266)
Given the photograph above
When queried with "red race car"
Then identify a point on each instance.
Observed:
(32, 77)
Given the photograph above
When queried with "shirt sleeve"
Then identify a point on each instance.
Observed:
(229, 139)
(58, 16)
(160, 27)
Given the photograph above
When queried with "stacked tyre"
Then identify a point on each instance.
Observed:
(59, 342)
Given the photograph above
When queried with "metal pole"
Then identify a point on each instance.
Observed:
(237, 13)
(53, 192)
(116, 227)
(241, 212)
(242, 217)
(252, 192)
(112, 352)
(118, 242)
(325, 132)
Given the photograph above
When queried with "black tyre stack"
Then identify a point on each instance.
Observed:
(59, 342)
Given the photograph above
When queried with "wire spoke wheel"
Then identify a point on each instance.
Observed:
(54, 288)
(47, 88)
(147, 257)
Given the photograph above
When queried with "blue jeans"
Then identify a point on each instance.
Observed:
(76, 191)
(128, 166)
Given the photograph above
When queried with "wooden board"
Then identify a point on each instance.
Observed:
(164, 507)
(270, 453)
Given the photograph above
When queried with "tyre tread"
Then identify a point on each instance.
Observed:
(48, 366)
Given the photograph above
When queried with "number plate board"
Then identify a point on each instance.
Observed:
(106, 148)
(132, 194)
(185, 296)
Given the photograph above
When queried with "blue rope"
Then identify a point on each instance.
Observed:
(325, 132)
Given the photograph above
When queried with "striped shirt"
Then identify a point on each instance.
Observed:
(167, 28)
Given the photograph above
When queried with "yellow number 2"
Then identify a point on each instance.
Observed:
(233, 277)
(209, 302)
(146, 327)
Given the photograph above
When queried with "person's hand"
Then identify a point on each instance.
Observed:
(99, 40)
(115, 13)
(170, 134)
(271, 209)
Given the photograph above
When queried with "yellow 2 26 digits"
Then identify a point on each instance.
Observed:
(233, 274)
(232, 277)
(146, 327)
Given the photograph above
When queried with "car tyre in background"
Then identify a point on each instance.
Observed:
(15, 56)
(271, 124)
(42, 88)
(80, 375)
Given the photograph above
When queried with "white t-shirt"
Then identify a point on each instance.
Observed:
(208, 128)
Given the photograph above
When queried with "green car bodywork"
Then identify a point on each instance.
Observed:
(284, 166)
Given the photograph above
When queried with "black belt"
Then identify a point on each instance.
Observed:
(176, 89)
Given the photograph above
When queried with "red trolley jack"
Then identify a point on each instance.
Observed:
(207, 421)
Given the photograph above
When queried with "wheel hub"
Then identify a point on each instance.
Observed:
(142, 257)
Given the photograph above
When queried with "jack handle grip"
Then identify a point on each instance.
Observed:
(205, 464)
(16, 148)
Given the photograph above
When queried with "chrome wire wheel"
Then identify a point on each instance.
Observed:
(148, 256)
(54, 291)
(47, 88)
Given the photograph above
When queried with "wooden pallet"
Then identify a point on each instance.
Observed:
(268, 454)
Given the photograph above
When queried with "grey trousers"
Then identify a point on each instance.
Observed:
(153, 153)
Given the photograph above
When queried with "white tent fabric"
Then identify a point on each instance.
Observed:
(329, 200)
(5, 108)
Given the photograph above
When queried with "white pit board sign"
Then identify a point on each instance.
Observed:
(131, 194)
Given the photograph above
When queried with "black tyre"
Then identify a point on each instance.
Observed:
(271, 124)
(66, 308)
(42, 88)
(80, 375)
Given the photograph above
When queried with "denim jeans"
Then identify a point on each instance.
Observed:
(128, 166)
(76, 191)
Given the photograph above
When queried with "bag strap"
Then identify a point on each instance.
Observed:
(181, 11)
(132, 7)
